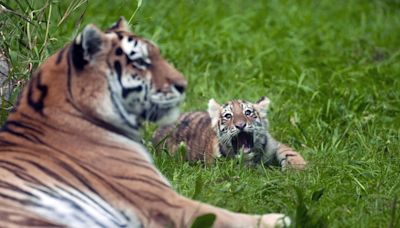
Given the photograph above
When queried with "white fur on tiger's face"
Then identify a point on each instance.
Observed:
(129, 81)
(241, 127)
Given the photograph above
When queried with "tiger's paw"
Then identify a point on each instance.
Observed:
(274, 220)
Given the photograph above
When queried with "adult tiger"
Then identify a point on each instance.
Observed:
(237, 128)
(70, 151)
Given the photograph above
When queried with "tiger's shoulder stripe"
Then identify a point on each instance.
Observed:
(20, 217)
(12, 187)
(25, 126)
(35, 87)
(20, 134)
(60, 55)
(46, 171)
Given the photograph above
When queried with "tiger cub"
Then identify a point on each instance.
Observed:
(237, 128)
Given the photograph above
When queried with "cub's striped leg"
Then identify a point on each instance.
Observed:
(289, 158)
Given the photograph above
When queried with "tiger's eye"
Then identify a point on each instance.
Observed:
(247, 112)
(228, 116)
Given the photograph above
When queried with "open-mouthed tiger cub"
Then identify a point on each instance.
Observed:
(70, 152)
(237, 128)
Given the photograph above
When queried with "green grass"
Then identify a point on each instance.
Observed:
(330, 68)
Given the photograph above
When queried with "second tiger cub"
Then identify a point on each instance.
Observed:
(237, 128)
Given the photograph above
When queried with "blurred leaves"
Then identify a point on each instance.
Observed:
(204, 221)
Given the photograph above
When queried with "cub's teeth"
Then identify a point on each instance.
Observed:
(245, 148)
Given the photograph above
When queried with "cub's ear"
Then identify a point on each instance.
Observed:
(262, 106)
(121, 24)
(213, 110)
(87, 44)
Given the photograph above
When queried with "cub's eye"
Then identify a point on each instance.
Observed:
(228, 116)
(248, 112)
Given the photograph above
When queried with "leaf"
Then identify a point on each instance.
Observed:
(301, 209)
(204, 221)
(139, 4)
(308, 216)
(393, 220)
(317, 195)
(239, 188)
(182, 152)
(198, 187)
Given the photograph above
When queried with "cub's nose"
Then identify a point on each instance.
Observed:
(240, 125)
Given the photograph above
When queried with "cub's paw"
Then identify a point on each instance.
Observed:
(293, 162)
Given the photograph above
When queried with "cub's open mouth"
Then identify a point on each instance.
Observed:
(243, 141)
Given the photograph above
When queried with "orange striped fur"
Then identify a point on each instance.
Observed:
(193, 129)
(70, 152)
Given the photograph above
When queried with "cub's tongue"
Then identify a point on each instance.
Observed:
(243, 144)
(243, 141)
(246, 148)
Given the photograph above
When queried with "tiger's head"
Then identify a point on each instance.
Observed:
(146, 85)
(113, 78)
(240, 126)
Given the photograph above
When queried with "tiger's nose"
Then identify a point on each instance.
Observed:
(180, 88)
(240, 125)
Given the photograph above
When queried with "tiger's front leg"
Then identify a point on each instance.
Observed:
(188, 210)
(141, 192)
(288, 158)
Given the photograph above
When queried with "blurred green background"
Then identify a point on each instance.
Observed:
(330, 68)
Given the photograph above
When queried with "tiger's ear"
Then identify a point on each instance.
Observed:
(213, 110)
(121, 24)
(86, 45)
(262, 106)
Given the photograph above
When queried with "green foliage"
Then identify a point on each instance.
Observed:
(30, 31)
(394, 222)
(330, 68)
(304, 216)
(204, 221)
(198, 187)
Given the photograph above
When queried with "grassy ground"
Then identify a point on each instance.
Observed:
(331, 69)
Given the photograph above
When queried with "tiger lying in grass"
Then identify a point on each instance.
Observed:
(237, 128)
(70, 152)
